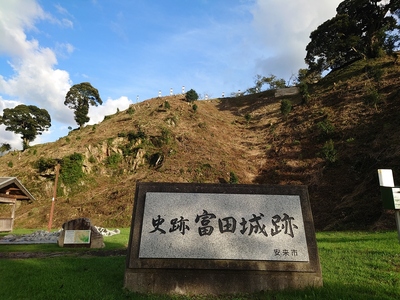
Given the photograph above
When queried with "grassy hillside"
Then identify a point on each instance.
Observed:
(334, 144)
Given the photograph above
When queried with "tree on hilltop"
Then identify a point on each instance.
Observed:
(272, 81)
(79, 97)
(27, 120)
(191, 95)
(5, 147)
(360, 29)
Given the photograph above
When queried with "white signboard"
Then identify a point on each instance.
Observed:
(223, 226)
(77, 237)
(385, 177)
(396, 197)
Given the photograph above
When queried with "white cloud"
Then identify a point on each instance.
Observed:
(61, 9)
(109, 107)
(284, 28)
(7, 136)
(67, 23)
(15, 18)
(64, 49)
(34, 77)
(11, 138)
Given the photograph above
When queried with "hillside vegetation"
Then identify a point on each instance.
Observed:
(334, 143)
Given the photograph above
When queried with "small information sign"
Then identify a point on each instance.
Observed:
(77, 237)
(396, 197)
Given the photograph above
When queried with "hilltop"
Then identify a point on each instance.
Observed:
(334, 144)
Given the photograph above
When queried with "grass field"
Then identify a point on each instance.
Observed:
(355, 265)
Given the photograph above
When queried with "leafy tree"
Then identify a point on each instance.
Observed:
(27, 120)
(191, 95)
(307, 76)
(272, 81)
(5, 147)
(360, 29)
(79, 98)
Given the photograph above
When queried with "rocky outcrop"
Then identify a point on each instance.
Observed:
(94, 155)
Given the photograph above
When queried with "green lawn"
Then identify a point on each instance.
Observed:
(355, 265)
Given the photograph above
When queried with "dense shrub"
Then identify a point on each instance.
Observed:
(329, 152)
(166, 135)
(130, 111)
(133, 136)
(305, 95)
(326, 127)
(92, 160)
(247, 117)
(191, 95)
(113, 160)
(286, 107)
(43, 164)
(233, 179)
(375, 72)
(372, 97)
(72, 169)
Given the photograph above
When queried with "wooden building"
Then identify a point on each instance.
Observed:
(11, 191)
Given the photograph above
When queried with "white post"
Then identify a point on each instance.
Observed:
(386, 179)
(170, 92)
(159, 93)
(183, 90)
(397, 216)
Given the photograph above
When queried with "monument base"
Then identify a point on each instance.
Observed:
(216, 282)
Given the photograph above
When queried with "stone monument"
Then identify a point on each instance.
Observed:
(221, 239)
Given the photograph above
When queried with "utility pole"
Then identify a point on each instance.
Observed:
(57, 170)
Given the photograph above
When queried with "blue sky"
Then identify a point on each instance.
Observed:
(132, 49)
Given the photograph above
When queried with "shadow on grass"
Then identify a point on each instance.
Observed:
(63, 278)
(102, 278)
